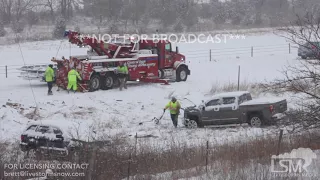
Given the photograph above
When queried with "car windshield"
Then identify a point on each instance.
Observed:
(229, 100)
(32, 127)
(214, 102)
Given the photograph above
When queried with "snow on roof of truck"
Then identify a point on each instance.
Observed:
(64, 125)
(230, 94)
(264, 100)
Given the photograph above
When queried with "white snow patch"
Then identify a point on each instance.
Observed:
(264, 100)
(229, 94)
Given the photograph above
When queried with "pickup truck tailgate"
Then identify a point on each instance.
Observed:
(280, 106)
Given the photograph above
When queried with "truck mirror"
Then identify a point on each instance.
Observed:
(203, 108)
(177, 49)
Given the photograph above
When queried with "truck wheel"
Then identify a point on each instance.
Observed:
(192, 124)
(181, 74)
(304, 57)
(107, 82)
(95, 83)
(255, 121)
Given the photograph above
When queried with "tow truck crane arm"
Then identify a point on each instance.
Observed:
(100, 47)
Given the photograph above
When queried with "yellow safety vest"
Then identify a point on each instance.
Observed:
(49, 74)
(173, 107)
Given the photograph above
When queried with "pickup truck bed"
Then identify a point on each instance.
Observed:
(264, 108)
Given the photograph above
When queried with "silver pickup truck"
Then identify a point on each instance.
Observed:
(235, 108)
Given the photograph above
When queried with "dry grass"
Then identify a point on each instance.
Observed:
(254, 89)
(233, 160)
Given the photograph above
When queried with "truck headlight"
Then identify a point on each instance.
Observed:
(182, 59)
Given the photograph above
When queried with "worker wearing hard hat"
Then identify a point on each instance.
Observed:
(49, 77)
(174, 107)
(123, 75)
(73, 75)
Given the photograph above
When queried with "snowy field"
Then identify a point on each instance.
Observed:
(119, 113)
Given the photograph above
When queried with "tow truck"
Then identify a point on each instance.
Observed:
(148, 60)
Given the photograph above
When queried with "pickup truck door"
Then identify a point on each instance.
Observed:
(230, 115)
(168, 55)
(210, 113)
(229, 111)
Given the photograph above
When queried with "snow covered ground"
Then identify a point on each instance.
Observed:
(119, 113)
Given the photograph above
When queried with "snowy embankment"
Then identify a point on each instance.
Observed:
(119, 113)
(251, 170)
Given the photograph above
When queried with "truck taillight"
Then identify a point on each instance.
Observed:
(271, 108)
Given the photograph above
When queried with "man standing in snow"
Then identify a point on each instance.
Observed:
(73, 75)
(123, 75)
(174, 107)
(49, 77)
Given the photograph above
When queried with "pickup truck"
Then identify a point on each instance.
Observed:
(309, 50)
(235, 108)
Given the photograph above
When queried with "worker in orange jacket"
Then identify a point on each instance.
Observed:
(174, 107)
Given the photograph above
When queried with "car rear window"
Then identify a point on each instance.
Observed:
(249, 97)
(242, 99)
(57, 131)
(310, 45)
(43, 129)
(229, 100)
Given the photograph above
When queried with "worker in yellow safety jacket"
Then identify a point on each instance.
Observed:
(122, 75)
(49, 77)
(174, 107)
(73, 75)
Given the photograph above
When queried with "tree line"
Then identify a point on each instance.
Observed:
(168, 15)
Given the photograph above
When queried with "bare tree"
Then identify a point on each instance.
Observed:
(67, 7)
(21, 7)
(6, 10)
(303, 78)
(14, 11)
(52, 5)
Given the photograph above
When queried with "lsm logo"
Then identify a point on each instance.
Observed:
(295, 163)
